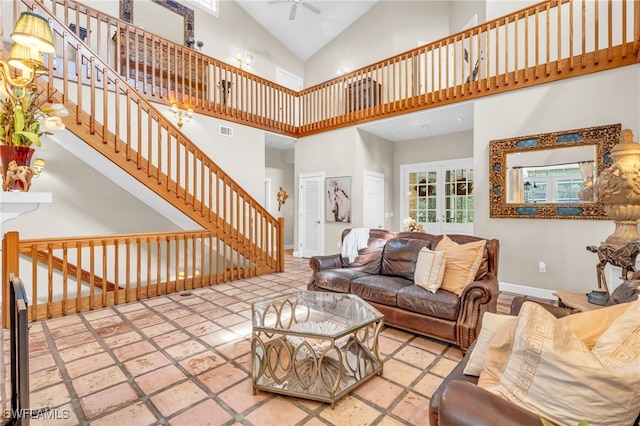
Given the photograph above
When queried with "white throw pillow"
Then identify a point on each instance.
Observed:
(490, 324)
(429, 269)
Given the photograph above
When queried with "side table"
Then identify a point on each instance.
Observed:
(575, 300)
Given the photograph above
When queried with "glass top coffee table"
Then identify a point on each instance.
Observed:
(314, 345)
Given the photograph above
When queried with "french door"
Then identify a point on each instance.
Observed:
(439, 195)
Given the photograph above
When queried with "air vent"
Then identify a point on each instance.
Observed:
(226, 131)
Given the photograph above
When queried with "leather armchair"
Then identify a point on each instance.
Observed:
(458, 401)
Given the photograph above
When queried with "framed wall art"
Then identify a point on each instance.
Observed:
(338, 199)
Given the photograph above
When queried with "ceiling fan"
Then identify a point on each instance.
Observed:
(294, 6)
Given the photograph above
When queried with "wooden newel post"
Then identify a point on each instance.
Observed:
(10, 265)
(281, 244)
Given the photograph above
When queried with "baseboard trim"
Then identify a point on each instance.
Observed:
(541, 293)
(289, 246)
(296, 253)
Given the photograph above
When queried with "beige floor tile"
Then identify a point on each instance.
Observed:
(379, 391)
(74, 340)
(107, 400)
(400, 372)
(44, 378)
(113, 330)
(428, 385)
(62, 416)
(205, 413)
(177, 398)
(134, 414)
(219, 337)
(235, 349)
(122, 339)
(98, 380)
(185, 349)
(91, 363)
(415, 356)
(413, 409)
(133, 350)
(240, 397)
(171, 338)
(80, 351)
(443, 367)
(146, 363)
(202, 362)
(160, 379)
(222, 377)
(40, 362)
(52, 397)
(350, 410)
(276, 412)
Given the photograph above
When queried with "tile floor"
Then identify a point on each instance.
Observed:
(184, 359)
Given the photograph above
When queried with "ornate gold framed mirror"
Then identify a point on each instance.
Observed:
(550, 175)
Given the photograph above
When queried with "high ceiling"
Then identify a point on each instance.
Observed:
(315, 23)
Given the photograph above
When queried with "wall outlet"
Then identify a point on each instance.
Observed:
(542, 267)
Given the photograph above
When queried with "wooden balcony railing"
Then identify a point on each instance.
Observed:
(72, 275)
(165, 71)
(550, 41)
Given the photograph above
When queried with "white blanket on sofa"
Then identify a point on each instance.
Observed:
(355, 240)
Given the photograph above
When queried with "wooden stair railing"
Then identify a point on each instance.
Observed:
(113, 118)
(539, 44)
(156, 152)
(67, 275)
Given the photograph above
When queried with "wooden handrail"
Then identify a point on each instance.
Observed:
(539, 44)
(67, 275)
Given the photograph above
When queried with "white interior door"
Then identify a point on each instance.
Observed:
(373, 200)
(311, 206)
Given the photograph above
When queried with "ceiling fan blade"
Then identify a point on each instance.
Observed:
(278, 1)
(292, 15)
(311, 7)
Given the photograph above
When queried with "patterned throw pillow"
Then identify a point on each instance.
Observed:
(550, 371)
(429, 269)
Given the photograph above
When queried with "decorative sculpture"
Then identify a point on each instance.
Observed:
(282, 197)
(618, 187)
(624, 258)
(15, 173)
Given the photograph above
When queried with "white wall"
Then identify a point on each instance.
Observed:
(593, 100)
(280, 169)
(373, 154)
(332, 152)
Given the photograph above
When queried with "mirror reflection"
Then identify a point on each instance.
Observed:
(558, 175)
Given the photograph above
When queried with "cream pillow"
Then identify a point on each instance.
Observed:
(463, 261)
(491, 323)
(549, 370)
(429, 269)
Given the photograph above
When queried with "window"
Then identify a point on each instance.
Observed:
(210, 6)
(552, 184)
(439, 195)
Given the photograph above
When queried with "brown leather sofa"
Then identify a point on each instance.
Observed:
(459, 401)
(382, 274)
